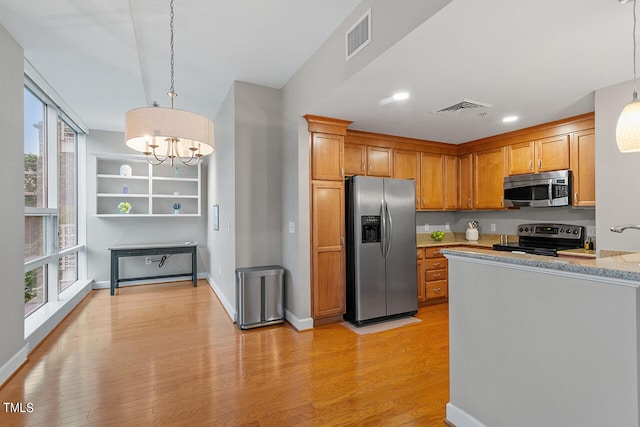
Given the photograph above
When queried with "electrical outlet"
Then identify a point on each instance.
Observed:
(147, 261)
(426, 227)
(493, 227)
(292, 227)
(446, 226)
(591, 231)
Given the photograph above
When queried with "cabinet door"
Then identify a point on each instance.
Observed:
(552, 154)
(326, 156)
(355, 159)
(329, 289)
(406, 165)
(432, 181)
(520, 158)
(451, 182)
(380, 161)
(465, 181)
(583, 167)
(422, 291)
(488, 179)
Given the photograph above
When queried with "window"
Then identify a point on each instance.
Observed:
(51, 201)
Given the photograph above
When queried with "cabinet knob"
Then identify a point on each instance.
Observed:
(436, 290)
(575, 198)
(539, 163)
(531, 164)
(436, 264)
(342, 241)
(469, 202)
(436, 275)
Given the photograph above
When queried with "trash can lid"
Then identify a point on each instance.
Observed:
(267, 270)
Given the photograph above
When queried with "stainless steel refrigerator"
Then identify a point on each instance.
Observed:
(381, 249)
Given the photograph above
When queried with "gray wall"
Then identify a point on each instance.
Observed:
(617, 174)
(324, 72)
(105, 232)
(245, 181)
(12, 190)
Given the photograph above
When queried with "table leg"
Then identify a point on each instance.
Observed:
(194, 266)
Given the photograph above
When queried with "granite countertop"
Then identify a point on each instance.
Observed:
(624, 267)
(424, 240)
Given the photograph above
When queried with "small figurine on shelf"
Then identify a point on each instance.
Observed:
(124, 207)
(176, 208)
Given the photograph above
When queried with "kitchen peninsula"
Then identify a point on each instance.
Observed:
(542, 340)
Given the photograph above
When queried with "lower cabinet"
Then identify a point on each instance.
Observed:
(432, 276)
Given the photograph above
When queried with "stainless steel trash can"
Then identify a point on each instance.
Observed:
(259, 296)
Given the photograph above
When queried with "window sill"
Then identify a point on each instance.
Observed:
(44, 320)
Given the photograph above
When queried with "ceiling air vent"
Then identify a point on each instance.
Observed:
(466, 107)
(359, 35)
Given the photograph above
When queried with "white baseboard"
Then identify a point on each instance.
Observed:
(105, 284)
(299, 324)
(13, 364)
(229, 307)
(460, 418)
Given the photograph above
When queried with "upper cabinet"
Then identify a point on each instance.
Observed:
(583, 155)
(432, 181)
(465, 182)
(380, 161)
(488, 178)
(547, 154)
(406, 165)
(327, 157)
(355, 159)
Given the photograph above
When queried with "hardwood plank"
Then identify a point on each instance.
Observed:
(167, 354)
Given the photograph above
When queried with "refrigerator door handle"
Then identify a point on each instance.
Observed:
(383, 228)
(389, 228)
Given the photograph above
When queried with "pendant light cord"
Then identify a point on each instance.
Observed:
(635, 91)
(172, 93)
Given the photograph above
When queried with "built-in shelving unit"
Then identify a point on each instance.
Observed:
(151, 190)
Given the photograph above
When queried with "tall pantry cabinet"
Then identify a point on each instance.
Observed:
(328, 287)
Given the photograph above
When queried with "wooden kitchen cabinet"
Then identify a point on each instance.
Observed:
(488, 178)
(583, 153)
(465, 182)
(327, 157)
(436, 278)
(422, 284)
(406, 165)
(547, 154)
(450, 182)
(432, 181)
(355, 159)
(328, 230)
(380, 161)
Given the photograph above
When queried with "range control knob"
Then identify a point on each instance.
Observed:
(568, 231)
(526, 229)
(575, 231)
(520, 229)
(562, 230)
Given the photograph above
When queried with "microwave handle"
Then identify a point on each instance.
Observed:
(550, 191)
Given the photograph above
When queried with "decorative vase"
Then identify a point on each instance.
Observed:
(176, 208)
(124, 207)
(176, 211)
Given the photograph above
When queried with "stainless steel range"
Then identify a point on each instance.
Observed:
(545, 239)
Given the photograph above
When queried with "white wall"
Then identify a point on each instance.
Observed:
(617, 174)
(12, 351)
(324, 72)
(245, 181)
(105, 232)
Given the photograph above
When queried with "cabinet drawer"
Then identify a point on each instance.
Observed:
(420, 253)
(437, 289)
(435, 275)
(436, 263)
(433, 253)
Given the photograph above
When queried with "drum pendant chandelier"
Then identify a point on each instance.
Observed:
(628, 127)
(165, 134)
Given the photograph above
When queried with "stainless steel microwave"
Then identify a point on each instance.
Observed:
(538, 189)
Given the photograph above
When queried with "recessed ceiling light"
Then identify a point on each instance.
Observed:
(510, 119)
(401, 96)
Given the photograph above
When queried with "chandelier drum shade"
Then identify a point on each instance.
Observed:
(167, 133)
(628, 126)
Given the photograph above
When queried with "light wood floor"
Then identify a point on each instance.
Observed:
(168, 354)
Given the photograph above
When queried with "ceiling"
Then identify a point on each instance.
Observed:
(538, 60)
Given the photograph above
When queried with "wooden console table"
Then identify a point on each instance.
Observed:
(121, 251)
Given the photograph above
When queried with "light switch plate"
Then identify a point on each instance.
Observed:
(292, 227)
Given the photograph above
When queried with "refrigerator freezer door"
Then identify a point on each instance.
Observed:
(370, 293)
(401, 269)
